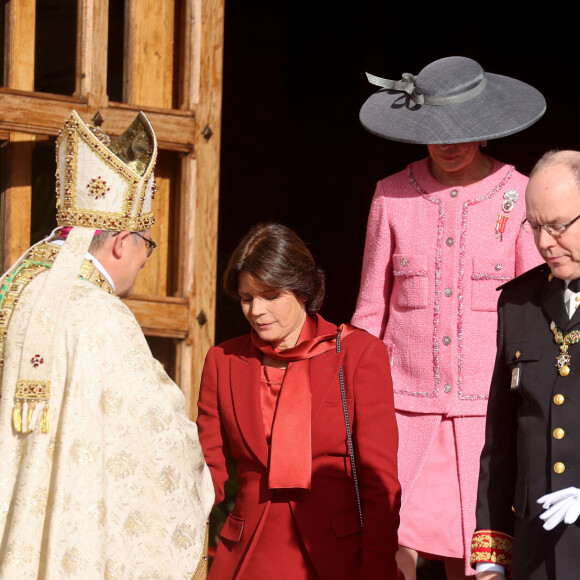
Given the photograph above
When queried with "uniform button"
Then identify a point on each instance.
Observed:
(447, 292)
(446, 341)
(559, 433)
(559, 467)
(447, 388)
(498, 267)
(453, 193)
(449, 241)
(404, 262)
(558, 399)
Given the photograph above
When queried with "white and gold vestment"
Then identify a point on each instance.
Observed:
(118, 487)
(101, 472)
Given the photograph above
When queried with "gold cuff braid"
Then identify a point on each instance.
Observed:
(491, 546)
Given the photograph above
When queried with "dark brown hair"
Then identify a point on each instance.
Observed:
(274, 255)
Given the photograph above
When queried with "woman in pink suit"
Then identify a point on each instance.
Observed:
(442, 235)
(272, 401)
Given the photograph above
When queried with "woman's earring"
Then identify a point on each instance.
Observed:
(483, 143)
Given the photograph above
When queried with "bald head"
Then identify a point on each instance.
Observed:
(566, 158)
(553, 201)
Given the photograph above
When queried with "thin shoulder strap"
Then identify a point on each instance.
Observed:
(348, 432)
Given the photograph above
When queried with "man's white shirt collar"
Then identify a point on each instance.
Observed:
(571, 299)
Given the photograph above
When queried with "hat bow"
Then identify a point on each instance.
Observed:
(407, 84)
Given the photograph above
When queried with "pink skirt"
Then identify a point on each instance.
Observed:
(431, 520)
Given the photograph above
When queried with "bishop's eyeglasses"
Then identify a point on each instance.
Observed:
(151, 245)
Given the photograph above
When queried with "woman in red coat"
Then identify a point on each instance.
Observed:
(271, 400)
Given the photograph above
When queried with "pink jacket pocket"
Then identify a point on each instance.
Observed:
(487, 275)
(411, 281)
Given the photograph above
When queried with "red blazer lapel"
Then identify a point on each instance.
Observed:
(323, 371)
(323, 378)
(245, 389)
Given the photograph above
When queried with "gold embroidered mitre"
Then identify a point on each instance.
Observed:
(103, 185)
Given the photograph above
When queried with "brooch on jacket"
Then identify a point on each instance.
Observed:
(510, 197)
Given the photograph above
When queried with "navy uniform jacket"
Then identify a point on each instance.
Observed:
(533, 429)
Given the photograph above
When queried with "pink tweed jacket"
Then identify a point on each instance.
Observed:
(432, 263)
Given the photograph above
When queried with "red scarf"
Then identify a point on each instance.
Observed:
(291, 447)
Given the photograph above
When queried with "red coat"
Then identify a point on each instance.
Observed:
(230, 423)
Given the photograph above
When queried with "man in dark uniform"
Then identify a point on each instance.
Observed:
(529, 483)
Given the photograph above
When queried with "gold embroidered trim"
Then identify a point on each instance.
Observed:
(44, 253)
(93, 275)
(33, 390)
(491, 546)
(104, 221)
(202, 565)
(14, 284)
(31, 406)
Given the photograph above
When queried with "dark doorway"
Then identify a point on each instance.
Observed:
(292, 147)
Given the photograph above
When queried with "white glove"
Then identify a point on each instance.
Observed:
(560, 506)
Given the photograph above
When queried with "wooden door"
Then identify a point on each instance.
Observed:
(117, 57)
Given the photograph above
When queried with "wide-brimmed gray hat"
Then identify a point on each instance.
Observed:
(452, 100)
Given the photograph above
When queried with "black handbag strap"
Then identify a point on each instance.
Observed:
(349, 433)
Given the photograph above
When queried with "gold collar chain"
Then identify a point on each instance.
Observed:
(563, 359)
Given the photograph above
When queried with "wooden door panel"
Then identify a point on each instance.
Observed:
(171, 67)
